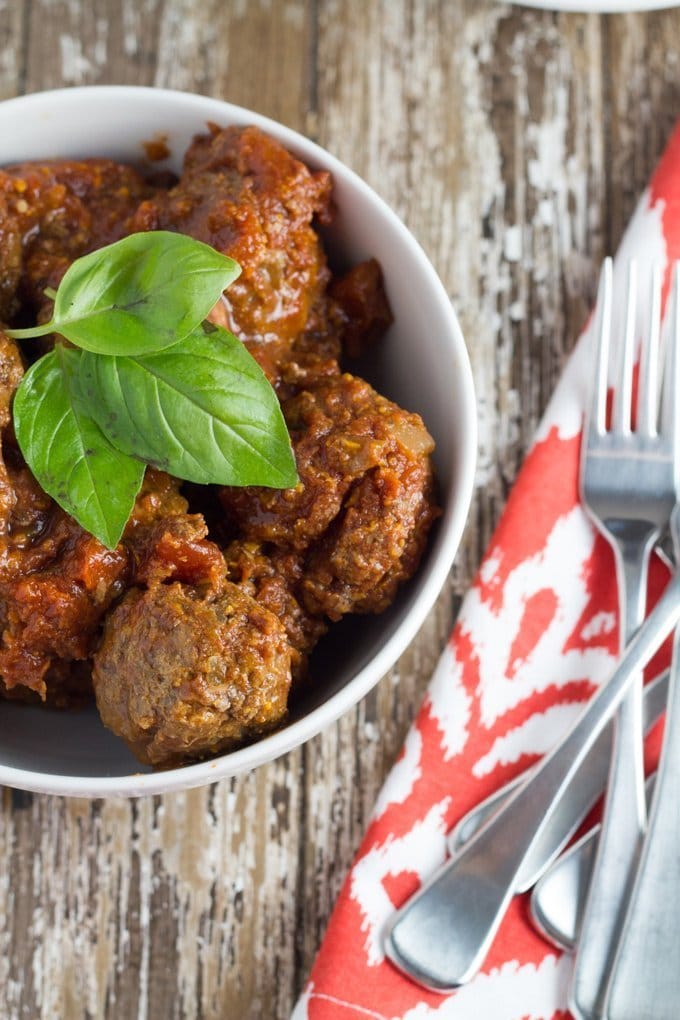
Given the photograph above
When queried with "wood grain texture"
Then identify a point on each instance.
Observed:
(513, 143)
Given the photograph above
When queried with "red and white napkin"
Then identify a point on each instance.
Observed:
(536, 632)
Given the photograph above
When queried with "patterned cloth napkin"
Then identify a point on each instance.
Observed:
(536, 632)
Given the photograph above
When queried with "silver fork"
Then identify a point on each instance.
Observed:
(586, 788)
(442, 934)
(645, 979)
(583, 793)
(628, 488)
(440, 937)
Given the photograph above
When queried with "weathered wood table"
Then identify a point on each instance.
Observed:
(513, 143)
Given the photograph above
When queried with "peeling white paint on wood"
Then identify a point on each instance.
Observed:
(514, 144)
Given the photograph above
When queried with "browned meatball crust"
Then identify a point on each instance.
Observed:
(10, 248)
(360, 514)
(182, 674)
(53, 212)
(272, 580)
(244, 194)
(57, 582)
(11, 372)
(375, 543)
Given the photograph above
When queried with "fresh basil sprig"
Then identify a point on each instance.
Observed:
(138, 295)
(68, 453)
(201, 410)
(154, 384)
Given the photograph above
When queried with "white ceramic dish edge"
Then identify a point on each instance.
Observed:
(61, 103)
(597, 6)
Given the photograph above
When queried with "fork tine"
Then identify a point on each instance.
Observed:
(623, 388)
(670, 404)
(648, 382)
(598, 411)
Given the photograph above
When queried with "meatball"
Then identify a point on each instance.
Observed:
(52, 613)
(181, 674)
(10, 248)
(242, 193)
(375, 543)
(359, 517)
(362, 306)
(164, 542)
(11, 372)
(53, 212)
(272, 580)
(351, 316)
(57, 582)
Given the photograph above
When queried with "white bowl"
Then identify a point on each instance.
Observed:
(598, 6)
(422, 364)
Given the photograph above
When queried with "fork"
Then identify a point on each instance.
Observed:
(441, 936)
(583, 793)
(651, 924)
(645, 982)
(587, 787)
(628, 489)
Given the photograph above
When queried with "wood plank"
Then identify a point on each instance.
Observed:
(13, 29)
(180, 907)
(514, 144)
(644, 100)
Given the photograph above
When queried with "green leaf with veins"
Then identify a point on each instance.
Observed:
(67, 452)
(140, 294)
(152, 384)
(202, 410)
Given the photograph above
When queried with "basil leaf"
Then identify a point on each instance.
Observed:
(67, 453)
(141, 294)
(202, 410)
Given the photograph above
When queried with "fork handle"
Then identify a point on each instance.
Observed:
(441, 936)
(645, 983)
(624, 817)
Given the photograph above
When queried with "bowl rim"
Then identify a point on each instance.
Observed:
(450, 528)
(597, 6)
